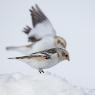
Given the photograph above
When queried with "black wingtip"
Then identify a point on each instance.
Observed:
(7, 48)
(11, 58)
(33, 7)
(27, 29)
(30, 10)
(36, 5)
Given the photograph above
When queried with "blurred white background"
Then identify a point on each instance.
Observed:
(72, 19)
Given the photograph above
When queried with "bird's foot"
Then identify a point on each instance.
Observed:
(41, 71)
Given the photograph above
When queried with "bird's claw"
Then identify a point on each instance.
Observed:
(41, 71)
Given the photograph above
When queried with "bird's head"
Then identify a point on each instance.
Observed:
(60, 42)
(64, 54)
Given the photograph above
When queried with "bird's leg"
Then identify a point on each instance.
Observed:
(41, 70)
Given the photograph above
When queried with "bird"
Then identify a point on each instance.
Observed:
(44, 59)
(42, 36)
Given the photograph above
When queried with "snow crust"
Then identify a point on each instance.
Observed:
(39, 84)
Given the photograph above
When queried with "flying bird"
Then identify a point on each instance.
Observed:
(42, 35)
(45, 59)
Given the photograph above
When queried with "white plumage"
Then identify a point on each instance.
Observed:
(46, 48)
(45, 59)
(42, 35)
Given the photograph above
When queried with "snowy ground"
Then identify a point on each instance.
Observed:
(38, 84)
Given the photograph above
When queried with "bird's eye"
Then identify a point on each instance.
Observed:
(66, 55)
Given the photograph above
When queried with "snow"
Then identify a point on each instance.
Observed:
(38, 84)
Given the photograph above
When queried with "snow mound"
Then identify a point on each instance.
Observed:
(37, 84)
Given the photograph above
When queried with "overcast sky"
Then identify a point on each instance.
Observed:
(72, 19)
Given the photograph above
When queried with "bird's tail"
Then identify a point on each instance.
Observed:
(12, 58)
(19, 58)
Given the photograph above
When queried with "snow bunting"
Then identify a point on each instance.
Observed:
(42, 35)
(45, 59)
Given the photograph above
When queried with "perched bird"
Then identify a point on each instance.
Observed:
(42, 35)
(45, 59)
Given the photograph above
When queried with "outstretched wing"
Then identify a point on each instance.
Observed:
(37, 15)
(41, 25)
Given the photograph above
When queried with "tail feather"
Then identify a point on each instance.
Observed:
(12, 58)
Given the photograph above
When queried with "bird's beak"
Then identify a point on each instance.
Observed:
(68, 58)
(29, 40)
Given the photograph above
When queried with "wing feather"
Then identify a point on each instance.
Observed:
(37, 15)
(42, 25)
(36, 57)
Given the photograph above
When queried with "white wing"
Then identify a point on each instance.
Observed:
(41, 25)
